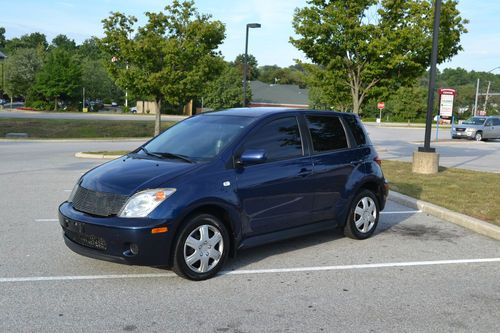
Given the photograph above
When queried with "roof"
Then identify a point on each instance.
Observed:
(263, 111)
(278, 94)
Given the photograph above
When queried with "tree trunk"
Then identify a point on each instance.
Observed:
(158, 117)
(55, 104)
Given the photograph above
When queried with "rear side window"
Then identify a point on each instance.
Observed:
(279, 138)
(327, 133)
(356, 130)
(496, 121)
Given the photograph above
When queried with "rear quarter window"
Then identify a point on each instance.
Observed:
(356, 129)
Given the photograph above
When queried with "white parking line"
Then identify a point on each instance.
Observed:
(46, 220)
(403, 212)
(256, 271)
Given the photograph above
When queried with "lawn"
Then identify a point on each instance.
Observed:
(468, 192)
(76, 129)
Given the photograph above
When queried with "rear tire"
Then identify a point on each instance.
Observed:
(201, 248)
(363, 216)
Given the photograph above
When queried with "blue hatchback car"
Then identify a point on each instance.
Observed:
(223, 181)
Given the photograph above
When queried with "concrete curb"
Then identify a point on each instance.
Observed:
(476, 225)
(97, 156)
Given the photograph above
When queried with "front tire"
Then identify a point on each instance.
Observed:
(479, 136)
(201, 248)
(363, 216)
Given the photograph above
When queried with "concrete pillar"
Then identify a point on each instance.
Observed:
(425, 162)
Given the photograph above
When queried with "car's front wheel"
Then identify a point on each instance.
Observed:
(201, 248)
(363, 216)
(479, 136)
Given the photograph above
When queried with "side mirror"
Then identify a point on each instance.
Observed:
(252, 156)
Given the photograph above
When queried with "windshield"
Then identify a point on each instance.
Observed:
(475, 121)
(198, 138)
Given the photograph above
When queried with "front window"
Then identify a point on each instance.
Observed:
(475, 121)
(199, 138)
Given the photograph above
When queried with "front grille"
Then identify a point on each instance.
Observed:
(98, 203)
(460, 129)
(91, 241)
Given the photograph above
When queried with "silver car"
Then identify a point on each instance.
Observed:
(478, 128)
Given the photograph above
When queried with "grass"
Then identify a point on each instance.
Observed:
(468, 192)
(79, 129)
(108, 152)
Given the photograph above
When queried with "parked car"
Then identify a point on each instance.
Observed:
(223, 181)
(478, 128)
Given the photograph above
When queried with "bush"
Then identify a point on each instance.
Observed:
(107, 100)
(41, 105)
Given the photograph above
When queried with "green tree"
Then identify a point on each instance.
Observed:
(374, 43)
(253, 69)
(63, 42)
(2, 38)
(170, 58)
(90, 49)
(59, 77)
(326, 89)
(20, 70)
(97, 82)
(407, 103)
(225, 90)
(34, 40)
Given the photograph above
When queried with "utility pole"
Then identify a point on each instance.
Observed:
(474, 112)
(486, 97)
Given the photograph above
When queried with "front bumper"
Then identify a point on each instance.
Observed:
(122, 240)
(462, 134)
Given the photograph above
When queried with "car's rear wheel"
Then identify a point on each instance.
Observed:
(201, 248)
(479, 136)
(363, 216)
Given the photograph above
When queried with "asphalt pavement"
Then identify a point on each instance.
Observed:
(416, 274)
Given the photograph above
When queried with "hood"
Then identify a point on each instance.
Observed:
(467, 126)
(129, 174)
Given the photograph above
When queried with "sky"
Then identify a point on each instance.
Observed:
(81, 19)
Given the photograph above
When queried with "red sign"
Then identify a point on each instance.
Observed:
(447, 91)
(380, 105)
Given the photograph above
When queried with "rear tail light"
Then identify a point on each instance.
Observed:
(377, 160)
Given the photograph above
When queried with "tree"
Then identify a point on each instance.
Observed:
(63, 42)
(20, 70)
(225, 90)
(34, 40)
(326, 90)
(59, 76)
(96, 81)
(253, 69)
(90, 49)
(2, 38)
(373, 43)
(408, 103)
(170, 58)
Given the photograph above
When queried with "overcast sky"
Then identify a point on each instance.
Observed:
(80, 19)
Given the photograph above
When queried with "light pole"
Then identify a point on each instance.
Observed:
(2, 59)
(245, 68)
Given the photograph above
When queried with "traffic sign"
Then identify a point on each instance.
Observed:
(380, 105)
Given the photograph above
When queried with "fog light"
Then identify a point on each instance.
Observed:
(134, 248)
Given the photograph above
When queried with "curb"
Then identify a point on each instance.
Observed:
(471, 223)
(97, 156)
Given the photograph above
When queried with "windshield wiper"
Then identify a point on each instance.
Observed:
(150, 153)
(176, 156)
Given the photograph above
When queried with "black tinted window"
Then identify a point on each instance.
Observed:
(327, 133)
(496, 121)
(279, 138)
(356, 129)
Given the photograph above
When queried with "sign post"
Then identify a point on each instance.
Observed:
(380, 106)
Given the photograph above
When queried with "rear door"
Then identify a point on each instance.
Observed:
(496, 126)
(489, 129)
(275, 194)
(333, 163)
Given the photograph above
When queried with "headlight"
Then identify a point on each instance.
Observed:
(143, 203)
(470, 129)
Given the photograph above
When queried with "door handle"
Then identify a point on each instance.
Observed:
(305, 172)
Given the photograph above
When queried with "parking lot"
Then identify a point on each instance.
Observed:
(417, 273)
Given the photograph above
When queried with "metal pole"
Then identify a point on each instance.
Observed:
(126, 93)
(486, 97)
(245, 68)
(83, 101)
(432, 80)
(475, 103)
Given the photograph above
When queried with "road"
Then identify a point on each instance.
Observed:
(399, 143)
(417, 274)
(84, 116)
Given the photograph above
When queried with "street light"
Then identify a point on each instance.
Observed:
(487, 92)
(2, 58)
(245, 68)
